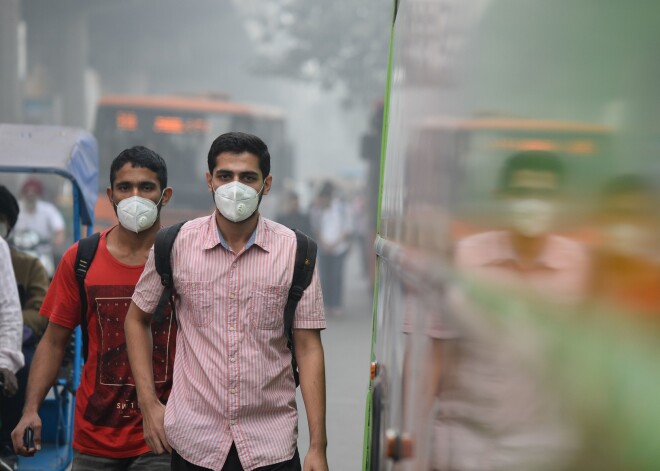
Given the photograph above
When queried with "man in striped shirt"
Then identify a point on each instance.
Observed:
(233, 401)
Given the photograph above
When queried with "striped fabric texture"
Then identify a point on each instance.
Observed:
(232, 374)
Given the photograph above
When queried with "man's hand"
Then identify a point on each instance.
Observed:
(153, 421)
(315, 460)
(10, 385)
(28, 420)
(139, 345)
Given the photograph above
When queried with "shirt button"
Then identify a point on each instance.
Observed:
(232, 421)
(233, 390)
(231, 295)
(232, 359)
(233, 265)
(232, 328)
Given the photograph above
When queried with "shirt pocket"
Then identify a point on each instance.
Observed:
(197, 301)
(266, 305)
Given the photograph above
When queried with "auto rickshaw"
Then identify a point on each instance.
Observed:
(71, 154)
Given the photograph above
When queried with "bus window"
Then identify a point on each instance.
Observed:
(181, 130)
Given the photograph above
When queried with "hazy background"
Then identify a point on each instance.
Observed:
(322, 63)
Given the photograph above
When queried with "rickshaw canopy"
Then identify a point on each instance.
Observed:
(69, 152)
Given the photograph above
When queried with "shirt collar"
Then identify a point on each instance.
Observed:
(260, 236)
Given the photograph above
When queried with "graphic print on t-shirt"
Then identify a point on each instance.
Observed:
(114, 400)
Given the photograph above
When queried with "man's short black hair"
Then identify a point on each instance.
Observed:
(537, 161)
(237, 143)
(140, 156)
(8, 207)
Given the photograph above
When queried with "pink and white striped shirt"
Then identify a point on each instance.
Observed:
(232, 373)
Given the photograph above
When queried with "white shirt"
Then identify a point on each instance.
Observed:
(11, 316)
(334, 224)
(46, 220)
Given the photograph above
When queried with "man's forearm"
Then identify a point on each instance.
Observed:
(311, 364)
(139, 344)
(59, 238)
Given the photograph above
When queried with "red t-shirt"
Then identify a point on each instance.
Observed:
(107, 419)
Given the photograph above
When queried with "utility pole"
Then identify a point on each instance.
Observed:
(57, 42)
(9, 84)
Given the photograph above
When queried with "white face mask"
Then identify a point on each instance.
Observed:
(236, 201)
(532, 217)
(4, 229)
(137, 214)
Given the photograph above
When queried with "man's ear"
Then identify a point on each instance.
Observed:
(108, 191)
(167, 194)
(209, 182)
(268, 182)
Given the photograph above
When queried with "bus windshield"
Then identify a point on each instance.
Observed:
(181, 130)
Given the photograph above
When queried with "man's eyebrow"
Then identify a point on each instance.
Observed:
(231, 172)
(131, 182)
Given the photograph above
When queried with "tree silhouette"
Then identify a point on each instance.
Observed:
(339, 45)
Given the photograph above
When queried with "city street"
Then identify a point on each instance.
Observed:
(347, 343)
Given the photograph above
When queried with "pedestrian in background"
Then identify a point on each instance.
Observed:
(11, 334)
(292, 216)
(32, 282)
(332, 228)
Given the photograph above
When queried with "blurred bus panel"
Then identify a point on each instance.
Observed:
(517, 297)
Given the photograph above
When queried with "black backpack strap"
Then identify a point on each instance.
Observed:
(84, 256)
(303, 271)
(162, 258)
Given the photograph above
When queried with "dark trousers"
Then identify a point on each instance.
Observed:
(11, 408)
(332, 278)
(234, 464)
(147, 462)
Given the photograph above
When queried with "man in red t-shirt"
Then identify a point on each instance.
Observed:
(108, 423)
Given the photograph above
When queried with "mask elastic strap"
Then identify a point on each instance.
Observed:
(161, 197)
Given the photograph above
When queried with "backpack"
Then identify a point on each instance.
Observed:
(302, 276)
(84, 256)
(303, 270)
